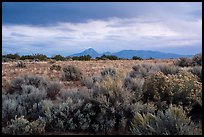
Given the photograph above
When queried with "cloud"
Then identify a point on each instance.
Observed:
(113, 34)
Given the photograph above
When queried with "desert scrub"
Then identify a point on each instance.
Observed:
(88, 82)
(171, 122)
(155, 88)
(17, 83)
(26, 104)
(108, 72)
(197, 70)
(185, 88)
(55, 67)
(183, 62)
(143, 70)
(53, 88)
(21, 126)
(197, 59)
(20, 64)
(169, 69)
(71, 73)
(182, 88)
(51, 61)
(135, 85)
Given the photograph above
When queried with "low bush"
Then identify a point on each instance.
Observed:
(58, 58)
(197, 70)
(51, 61)
(36, 81)
(20, 64)
(134, 85)
(71, 73)
(21, 126)
(55, 67)
(169, 69)
(171, 122)
(53, 89)
(197, 60)
(183, 62)
(182, 88)
(136, 58)
(108, 72)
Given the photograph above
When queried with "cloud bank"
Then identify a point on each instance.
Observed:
(159, 31)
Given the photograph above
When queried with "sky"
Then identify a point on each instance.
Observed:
(70, 27)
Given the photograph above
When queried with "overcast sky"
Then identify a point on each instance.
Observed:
(70, 27)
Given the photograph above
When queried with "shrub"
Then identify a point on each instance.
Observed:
(181, 88)
(53, 89)
(143, 70)
(183, 62)
(105, 57)
(136, 58)
(17, 83)
(197, 59)
(82, 58)
(71, 73)
(51, 61)
(108, 72)
(172, 122)
(9, 109)
(12, 56)
(135, 85)
(169, 69)
(55, 67)
(17, 126)
(88, 82)
(20, 64)
(197, 70)
(21, 126)
(58, 58)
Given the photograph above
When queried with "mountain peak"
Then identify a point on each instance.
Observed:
(90, 50)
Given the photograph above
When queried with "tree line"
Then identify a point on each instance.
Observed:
(42, 57)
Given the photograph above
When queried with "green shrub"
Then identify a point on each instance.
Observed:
(71, 73)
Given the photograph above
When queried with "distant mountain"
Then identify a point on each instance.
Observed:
(130, 53)
(147, 54)
(89, 51)
(107, 53)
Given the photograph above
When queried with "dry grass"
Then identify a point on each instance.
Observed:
(89, 68)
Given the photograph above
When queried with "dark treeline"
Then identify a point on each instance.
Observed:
(41, 57)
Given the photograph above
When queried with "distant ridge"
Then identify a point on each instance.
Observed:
(130, 53)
